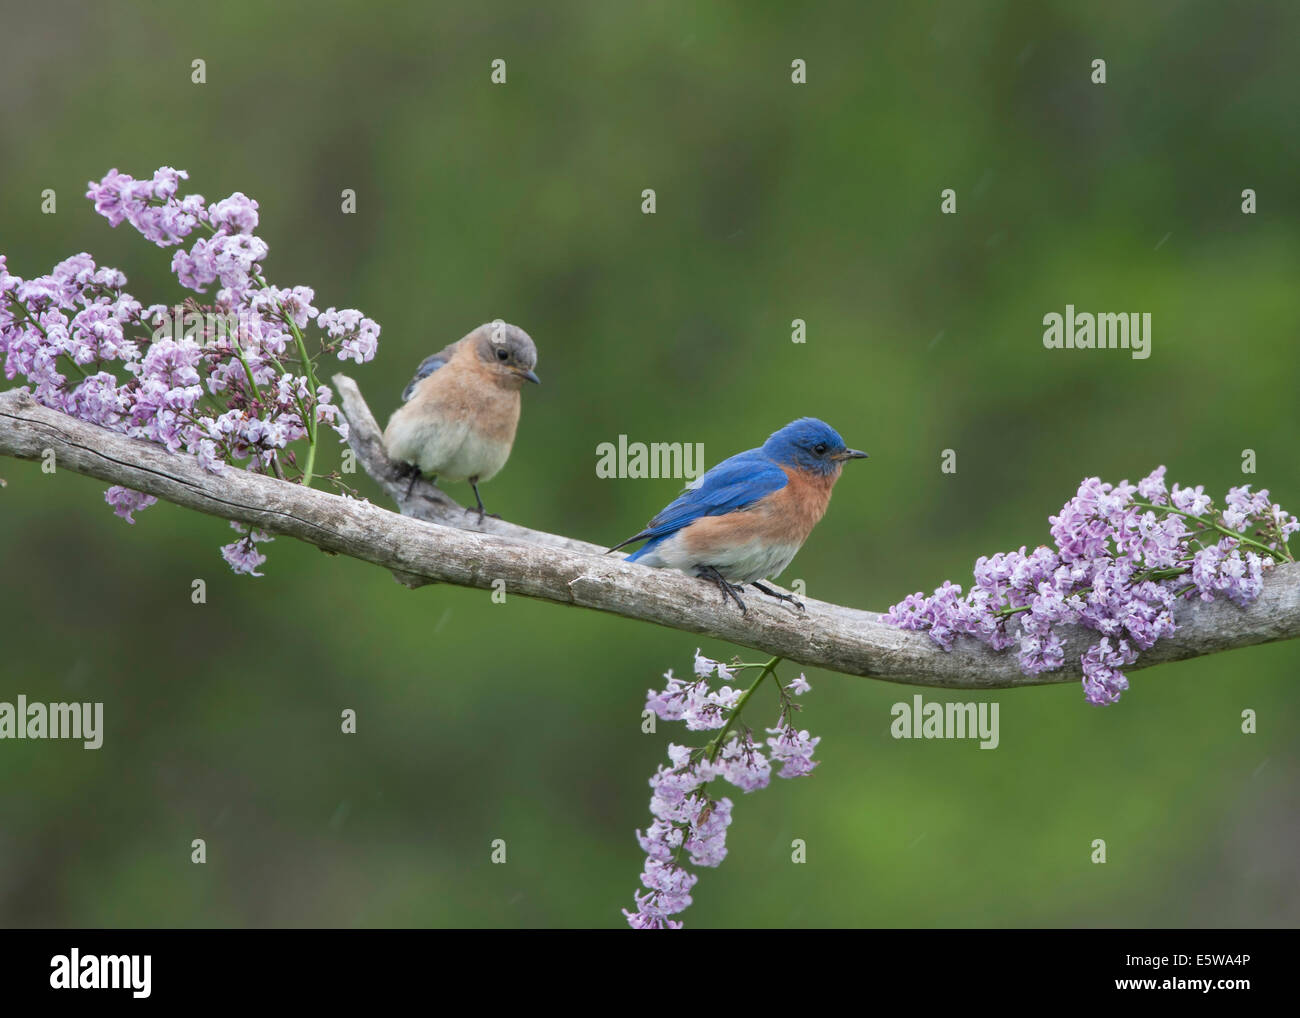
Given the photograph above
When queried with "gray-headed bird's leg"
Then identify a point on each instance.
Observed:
(412, 471)
(473, 483)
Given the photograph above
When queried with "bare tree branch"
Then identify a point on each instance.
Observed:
(553, 568)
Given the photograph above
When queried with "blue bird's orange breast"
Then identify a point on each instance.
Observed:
(794, 510)
(759, 540)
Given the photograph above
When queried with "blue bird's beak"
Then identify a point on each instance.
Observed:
(849, 454)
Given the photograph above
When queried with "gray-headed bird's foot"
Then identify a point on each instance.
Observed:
(473, 483)
(478, 511)
(729, 590)
(411, 473)
(779, 596)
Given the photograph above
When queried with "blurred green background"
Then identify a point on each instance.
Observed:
(775, 201)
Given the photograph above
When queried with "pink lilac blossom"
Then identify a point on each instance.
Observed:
(242, 555)
(1124, 556)
(686, 817)
(358, 336)
(228, 382)
(125, 501)
(793, 750)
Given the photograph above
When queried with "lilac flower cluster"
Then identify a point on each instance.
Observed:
(242, 556)
(686, 817)
(225, 382)
(1124, 556)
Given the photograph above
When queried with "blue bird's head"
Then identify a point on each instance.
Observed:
(810, 444)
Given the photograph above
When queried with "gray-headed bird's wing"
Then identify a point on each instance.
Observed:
(428, 366)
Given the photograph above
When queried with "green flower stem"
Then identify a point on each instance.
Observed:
(1142, 577)
(309, 419)
(1226, 531)
(80, 370)
(248, 371)
(27, 315)
(311, 462)
(715, 747)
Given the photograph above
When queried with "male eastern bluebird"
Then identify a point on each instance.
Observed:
(748, 516)
(462, 407)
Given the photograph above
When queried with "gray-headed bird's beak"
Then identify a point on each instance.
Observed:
(849, 454)
(531, 376)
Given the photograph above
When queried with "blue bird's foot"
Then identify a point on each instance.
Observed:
(729, 590)
(779, 596)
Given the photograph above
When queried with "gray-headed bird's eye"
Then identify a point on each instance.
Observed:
(819, 449)
(502, 354)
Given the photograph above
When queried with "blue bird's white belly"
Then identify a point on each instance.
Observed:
(745, 561)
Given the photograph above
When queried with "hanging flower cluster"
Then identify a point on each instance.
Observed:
(688, 817)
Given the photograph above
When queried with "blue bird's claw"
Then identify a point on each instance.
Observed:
(788, 598)
(729, 590)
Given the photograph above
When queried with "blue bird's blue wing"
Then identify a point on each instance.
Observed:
(733, 484)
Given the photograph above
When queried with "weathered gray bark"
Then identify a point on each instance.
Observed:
(437, 541)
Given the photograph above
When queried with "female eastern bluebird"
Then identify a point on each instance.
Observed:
(747, 517)
(462, 407)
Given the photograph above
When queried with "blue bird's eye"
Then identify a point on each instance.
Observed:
(819, 449)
